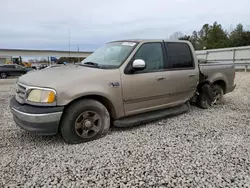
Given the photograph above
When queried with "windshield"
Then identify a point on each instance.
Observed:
(111, 54)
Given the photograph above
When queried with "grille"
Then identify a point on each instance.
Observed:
(21, 93)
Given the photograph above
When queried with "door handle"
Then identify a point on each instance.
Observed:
(160, 78)
(191, 75)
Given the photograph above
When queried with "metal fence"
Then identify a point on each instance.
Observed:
(240, 56)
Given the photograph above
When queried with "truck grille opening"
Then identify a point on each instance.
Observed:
(20, 93)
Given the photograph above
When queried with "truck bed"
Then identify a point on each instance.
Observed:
(219, 72)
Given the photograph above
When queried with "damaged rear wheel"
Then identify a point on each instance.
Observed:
(218, 97)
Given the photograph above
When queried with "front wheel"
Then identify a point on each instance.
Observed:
(218, 96)
(3, 75)
(85, 120)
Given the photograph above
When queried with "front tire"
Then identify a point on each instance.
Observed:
(3, 75)
(84, 121)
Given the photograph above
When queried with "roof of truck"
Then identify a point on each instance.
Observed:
(148, 40)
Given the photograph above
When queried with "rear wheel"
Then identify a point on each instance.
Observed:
(218, 96)
(85, 120)
(3, 75)
(202, 101)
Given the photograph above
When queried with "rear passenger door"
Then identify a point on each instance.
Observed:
(182, 72)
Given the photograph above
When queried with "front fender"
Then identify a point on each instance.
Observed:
(112, 94)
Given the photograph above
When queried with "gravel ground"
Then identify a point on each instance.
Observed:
(202, 148)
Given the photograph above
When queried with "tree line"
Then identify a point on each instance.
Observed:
(59, 60)
(214, 36)
(70, 59)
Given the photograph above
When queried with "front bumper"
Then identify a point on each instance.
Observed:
(38, 120)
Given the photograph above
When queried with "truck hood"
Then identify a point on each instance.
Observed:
(63, 76)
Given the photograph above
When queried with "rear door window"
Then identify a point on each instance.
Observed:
(10, 66)
(18, 67)
(179, 56)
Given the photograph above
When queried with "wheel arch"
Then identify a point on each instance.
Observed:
(219, 82)
(222, 84)
(105, 101)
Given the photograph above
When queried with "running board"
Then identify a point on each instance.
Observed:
(151, 116)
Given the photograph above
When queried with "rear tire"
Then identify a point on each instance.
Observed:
(84, 121)
(3, 75)
(202, 101)
(218, 94)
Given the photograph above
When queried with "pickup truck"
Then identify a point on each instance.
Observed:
(123, 83)
(11, 70)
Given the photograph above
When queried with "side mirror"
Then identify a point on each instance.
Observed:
(139, 64)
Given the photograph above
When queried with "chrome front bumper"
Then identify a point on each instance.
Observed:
(38, 120)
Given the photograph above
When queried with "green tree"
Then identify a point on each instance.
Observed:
(236, 36)
(185, 37)
(70, 60)
(196, 41)
(246, 38)
(239, 37)
(193, 39)
(216, 37)
(176, 35)
(202, 36)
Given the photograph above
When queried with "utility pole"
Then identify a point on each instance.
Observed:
(78, 56)
(69, 44)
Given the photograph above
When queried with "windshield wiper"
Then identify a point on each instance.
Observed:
(92, 64)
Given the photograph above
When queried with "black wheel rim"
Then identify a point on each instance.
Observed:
(88, 124)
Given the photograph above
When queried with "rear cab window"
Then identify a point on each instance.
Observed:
(179, 56)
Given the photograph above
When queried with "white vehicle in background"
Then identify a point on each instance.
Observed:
(52, 66)
(56, 65)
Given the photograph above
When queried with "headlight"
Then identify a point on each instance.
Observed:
(46, 96)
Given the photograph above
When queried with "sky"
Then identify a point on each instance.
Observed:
(54, 24)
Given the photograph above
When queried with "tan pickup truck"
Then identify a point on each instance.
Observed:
(123, 83)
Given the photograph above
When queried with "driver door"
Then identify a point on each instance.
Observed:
(146, 90)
